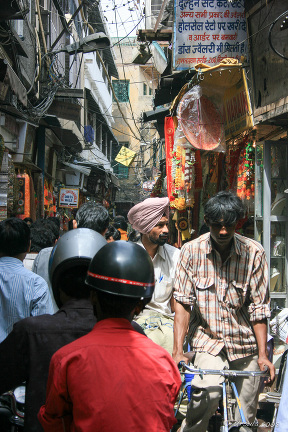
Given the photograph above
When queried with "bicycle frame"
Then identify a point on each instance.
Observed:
(228, 375)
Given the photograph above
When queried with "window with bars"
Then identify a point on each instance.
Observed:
(147, 90)
(121, 88)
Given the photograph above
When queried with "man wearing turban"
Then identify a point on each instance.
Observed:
(150, 218)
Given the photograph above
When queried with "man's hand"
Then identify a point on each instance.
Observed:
(178, 357)
(263, 363)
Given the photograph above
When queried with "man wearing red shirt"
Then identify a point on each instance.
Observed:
(113, 379)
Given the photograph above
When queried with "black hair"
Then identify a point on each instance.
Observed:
(226, 207)
(54, 219)
(41, 237)
(203, 229)
(28, 220)
(47, 224)
(14, 237)
(112, 232)
(115, 306)
(134, 236)
(120, 222)
(72, 281)
(94, 216)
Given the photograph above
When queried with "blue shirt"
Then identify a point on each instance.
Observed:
(22, 294)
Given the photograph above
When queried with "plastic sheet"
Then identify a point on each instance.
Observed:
(200, 118)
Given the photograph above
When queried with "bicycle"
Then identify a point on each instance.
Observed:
(229, 393)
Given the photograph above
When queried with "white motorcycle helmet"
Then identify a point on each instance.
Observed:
(76, 248)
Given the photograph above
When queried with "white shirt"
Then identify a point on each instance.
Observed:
(164, 263)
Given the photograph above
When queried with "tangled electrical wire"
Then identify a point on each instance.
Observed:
(270, 35)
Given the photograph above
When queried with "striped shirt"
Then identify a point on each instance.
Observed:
(226, 297)
(22, 294)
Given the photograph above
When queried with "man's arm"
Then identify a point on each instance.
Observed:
(42, 303)
(13, 359)
(181, 323)
(56, 414)
(260, 330)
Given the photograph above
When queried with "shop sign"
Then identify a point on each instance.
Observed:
(69, 198)
(237, 109)
(208, 32)
(148, 185)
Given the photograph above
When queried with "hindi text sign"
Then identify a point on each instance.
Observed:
(208, 31)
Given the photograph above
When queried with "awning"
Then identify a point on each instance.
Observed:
(68, 133)
(115, 180)
(78, 168)
(170, 86)
(8, 76)
(159, 115)
(156, 114)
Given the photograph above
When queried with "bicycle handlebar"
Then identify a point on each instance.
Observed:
(224, 372)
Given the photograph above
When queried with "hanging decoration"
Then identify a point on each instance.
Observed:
(246, 173)
(48, 198)
(183, 162)
(23, 202)
(13, 189)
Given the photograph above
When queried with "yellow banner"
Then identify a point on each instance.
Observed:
(125, 156)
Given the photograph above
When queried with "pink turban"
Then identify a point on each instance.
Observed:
(144, 216)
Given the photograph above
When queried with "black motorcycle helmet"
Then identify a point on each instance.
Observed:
(122, 268)
(75, 248)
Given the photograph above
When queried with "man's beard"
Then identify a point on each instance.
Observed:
(160, 241)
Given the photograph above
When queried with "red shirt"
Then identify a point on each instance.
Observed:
(112, 379)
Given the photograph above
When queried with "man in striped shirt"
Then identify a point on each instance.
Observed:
(221, 289)
(22, 293)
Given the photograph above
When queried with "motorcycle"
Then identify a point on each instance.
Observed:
(12, 410)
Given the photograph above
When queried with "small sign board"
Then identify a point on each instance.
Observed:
(69, 198)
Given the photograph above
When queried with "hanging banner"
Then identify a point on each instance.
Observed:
(169, 142)
(208, 31)
(237, 109)
(69, 198)
(125, 156)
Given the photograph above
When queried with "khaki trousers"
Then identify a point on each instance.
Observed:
(205, 399)
(158, 328)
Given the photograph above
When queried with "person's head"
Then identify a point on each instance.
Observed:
(54, 219)
(14, 237)
(69, 261)
(134, 236)
(94, 216)
(47, 225)
(121, 279)
(28, 220)
(150, 218)
(221, 214)
(120, 222)
(41, 237)
(112, 234)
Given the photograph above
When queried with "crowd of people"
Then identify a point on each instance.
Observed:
(94, 321)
